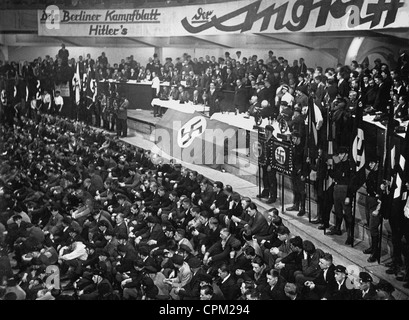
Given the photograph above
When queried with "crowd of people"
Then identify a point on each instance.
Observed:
(118, 222)
(271, 83)
(121, 225)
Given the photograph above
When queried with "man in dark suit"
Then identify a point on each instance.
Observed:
(262, 92)
(154, 236)
(214, 97)
(382, 95)
(227, 283)
(120, 228)
(197, 98)
(343, 84)
(220, 199)
(230, 80)
(184, 96)
(235, 209)
(161, 201)
(240, 97)
(366, 289)
(257, 226)
(62, 236)
(204, 199)
(370, 93)
(402, 110)
(273, 222)
(89, 62)
(239, 262)
(324, 284)
(219, 252)
(275, 288)
(124, 205)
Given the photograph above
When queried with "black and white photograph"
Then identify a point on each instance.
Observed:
(168, 152)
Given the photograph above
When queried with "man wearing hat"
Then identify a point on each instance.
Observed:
(285, 95)
(298, 175)
(341, 291)
(366, 289)
(269, 173)
(285, 112)
(343, 176)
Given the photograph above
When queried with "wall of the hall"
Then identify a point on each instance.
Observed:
(313, 58)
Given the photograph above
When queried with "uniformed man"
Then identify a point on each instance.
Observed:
(113, 111)
(319, 165)
(121, 127)
(269, 173)
(342, 173)
(299, 173)
(103, 101)
(372, 206)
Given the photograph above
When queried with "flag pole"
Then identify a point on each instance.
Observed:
(353, 221)
(307, 148)
(329, 153)
(358, 153)
(282, 193)
(386, 176)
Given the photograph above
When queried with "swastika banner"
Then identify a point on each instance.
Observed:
(194, 138)
(282, 157)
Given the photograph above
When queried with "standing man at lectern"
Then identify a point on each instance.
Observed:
(214, 96)
(241, 98)
(155, 93)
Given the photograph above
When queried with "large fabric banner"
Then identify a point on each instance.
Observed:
(194, 138)
(246, 16)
